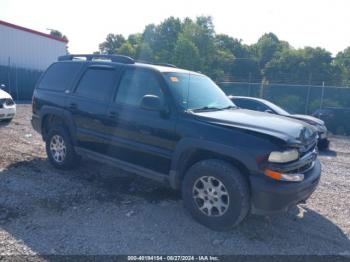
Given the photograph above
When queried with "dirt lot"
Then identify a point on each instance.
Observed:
(97, 209)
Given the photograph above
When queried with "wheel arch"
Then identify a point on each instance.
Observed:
(190, 152)
(55, 116)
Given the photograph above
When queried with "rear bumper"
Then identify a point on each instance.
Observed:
(270, 196)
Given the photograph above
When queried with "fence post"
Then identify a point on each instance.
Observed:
(322, 95)
(262, 89)
(308, 95)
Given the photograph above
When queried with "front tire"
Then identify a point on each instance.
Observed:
(216, 194)
(323, 144)
(59, 148)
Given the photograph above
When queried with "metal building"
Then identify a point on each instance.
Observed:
(24, 55)
(27, 48)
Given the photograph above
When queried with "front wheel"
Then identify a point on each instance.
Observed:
(59, 148)
(216, 194)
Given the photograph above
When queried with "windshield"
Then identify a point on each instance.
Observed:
(197, 92)
(276, 108)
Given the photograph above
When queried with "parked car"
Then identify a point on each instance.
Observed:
(7, 107)
(258, 104)
(177, 127)
(337, 119)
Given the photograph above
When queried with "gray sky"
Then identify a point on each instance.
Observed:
(324, 23)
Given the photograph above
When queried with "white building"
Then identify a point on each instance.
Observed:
(21, 47)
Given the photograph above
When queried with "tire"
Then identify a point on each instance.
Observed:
(235, 204)
(59, 148)
(323, 144)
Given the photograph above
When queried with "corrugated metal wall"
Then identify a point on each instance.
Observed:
(27, 50)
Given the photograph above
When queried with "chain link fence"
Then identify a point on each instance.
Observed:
(294, 98)
(19, 82)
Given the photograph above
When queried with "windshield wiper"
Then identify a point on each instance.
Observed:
(229, 107)
(206, 108)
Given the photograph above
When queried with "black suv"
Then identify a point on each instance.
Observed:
(177, 127)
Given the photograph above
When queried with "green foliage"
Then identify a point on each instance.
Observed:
(58, 34)
(111, 44)
(184, 50)
(193, 44)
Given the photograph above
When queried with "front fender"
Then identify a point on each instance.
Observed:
(189, 144)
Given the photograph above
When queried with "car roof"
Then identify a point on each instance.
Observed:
(122, 60)
(165, 69)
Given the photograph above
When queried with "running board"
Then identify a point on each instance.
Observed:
(126, 166)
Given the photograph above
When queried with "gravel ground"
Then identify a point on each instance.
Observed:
(97, 209)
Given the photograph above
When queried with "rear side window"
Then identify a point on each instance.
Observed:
(96, 83)
(59, 76)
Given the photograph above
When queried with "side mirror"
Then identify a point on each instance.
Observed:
(269, 111)
(152, 103)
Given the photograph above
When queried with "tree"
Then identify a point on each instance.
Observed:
(342, 62)
(266, 47)
(126, 49)
(186, 54)
(111, 44)
(58, 34)
(307, 65)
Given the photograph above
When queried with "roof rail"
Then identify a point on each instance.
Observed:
(160, 64)
(113, 58)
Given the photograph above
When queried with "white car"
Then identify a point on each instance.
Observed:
(7, 106)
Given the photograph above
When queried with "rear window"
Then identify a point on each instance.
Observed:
(97, 84)
(59, 76)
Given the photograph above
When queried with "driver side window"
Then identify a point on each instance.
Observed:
(135, 84)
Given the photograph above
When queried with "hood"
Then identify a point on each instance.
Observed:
(307, 118)
(290, 130)
(4, 94)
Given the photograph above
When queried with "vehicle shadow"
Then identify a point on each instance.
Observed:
(328, 152)
(4, 123)
(97, 209)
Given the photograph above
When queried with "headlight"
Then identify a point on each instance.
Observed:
(283, 157)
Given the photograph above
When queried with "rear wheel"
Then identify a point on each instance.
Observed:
(59, 148)
(216, 194)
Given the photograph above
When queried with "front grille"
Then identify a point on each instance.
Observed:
(303, 169)
(308, 148)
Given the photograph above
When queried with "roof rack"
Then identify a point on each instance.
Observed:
(160, 64)
(88, 57)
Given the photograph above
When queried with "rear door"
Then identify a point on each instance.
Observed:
(88, 104)
(139, 136)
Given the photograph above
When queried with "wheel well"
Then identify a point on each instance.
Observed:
(50, 120)
(193, 156)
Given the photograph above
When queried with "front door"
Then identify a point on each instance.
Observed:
(139, 136)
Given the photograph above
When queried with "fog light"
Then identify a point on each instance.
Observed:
(284, 177)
